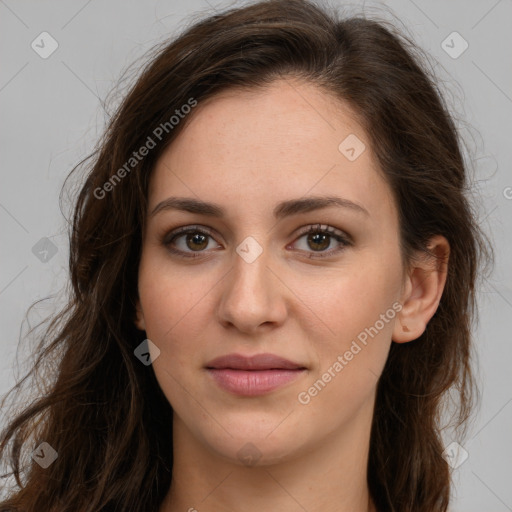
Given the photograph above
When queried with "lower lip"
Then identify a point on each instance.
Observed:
(253, 382)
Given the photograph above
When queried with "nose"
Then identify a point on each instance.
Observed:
(253, 296)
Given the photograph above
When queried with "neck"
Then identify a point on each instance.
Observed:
(329, 477)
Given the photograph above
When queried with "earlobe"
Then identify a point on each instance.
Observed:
(423, 291)
(139, 317)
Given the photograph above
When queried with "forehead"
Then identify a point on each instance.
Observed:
(261, 146)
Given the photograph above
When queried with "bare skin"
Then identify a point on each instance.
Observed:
(247, 152)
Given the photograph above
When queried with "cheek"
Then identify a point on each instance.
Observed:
(178, 314)
(360, 312)
(351, 360)
(167, 298)
(170, 301)
(357, 299)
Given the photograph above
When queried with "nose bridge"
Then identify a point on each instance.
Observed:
(252, 294)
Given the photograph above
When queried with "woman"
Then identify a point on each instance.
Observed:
(273, 266)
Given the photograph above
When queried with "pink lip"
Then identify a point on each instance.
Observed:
(251, 376)
(252, 382)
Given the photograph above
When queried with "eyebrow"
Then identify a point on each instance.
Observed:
(281, 210)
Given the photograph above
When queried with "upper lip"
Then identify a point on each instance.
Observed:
(255, 362)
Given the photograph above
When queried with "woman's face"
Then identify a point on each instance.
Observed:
(251, 282)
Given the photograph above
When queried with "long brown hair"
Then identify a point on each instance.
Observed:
(102, 410)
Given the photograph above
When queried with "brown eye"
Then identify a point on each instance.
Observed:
(196, 241)
(189, 242)
(319, 238)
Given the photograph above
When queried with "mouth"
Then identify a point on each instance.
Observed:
(255, 362)
(255, 375)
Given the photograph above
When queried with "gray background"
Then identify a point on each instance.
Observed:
(51, 116)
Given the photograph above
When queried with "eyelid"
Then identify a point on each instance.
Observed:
(325, 228)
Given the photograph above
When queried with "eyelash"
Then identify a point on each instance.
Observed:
(168, 239)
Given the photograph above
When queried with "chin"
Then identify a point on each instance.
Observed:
(253, 446)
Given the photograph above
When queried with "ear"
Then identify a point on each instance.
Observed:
(139, 317)
(422, 291)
